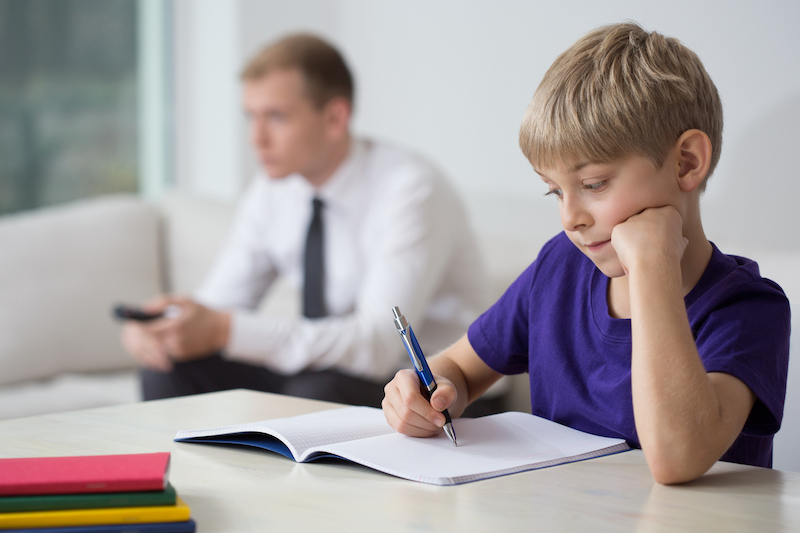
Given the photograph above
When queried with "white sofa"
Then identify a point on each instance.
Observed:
(62, 269)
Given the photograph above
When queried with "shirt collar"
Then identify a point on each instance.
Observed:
(346, 175)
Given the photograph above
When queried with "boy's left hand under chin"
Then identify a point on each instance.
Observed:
(654, 234)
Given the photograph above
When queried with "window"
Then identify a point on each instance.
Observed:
(69, 100)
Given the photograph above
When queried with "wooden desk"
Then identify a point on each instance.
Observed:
(242, 490)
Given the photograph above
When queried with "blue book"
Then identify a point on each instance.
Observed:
(162, 527)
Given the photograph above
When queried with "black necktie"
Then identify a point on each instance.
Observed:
(314, 271)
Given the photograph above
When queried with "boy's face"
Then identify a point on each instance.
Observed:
(595, 197)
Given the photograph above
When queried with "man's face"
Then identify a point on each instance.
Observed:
(286, 129)
(593, 198)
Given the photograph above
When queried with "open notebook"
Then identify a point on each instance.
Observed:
(489, 446)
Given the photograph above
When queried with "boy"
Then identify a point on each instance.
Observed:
(630, 323)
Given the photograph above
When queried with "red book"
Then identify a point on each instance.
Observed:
(84, 474)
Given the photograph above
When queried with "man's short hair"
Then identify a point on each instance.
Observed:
(620, 90)
(323, 68)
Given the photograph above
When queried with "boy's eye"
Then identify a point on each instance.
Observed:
(554, 192)
(594, 186)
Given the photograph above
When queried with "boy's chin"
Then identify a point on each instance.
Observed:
(606, 263)
(611, 269)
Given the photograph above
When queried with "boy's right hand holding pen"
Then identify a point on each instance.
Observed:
(407, 410)
(461, 377)
(428, 385)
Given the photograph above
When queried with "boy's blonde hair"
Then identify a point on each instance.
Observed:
(324, 70)
(619, 91)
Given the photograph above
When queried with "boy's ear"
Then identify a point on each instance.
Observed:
(694, 158)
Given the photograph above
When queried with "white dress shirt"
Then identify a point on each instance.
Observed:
(395, 234)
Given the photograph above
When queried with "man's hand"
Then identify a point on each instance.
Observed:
(144, 347)
(407, 410)
(195, 333)
(654, 235)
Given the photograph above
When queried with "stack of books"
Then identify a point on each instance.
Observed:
(97, 494)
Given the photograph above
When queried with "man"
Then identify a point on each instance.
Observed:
(358, 226)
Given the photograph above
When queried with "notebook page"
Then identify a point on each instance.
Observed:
(487, 446)
(310, 430)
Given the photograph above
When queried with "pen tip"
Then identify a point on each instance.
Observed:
(448, 428)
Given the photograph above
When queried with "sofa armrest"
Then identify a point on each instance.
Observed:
(63, 269)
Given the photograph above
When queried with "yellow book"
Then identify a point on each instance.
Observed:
(92, 517)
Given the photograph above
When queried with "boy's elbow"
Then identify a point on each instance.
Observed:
(671, 469)
(673, 476)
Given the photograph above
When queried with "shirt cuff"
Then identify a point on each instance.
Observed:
(251, 337)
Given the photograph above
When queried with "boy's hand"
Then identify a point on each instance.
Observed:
(407, 410)
(654, 235)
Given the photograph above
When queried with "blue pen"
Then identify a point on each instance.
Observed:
(420, 365)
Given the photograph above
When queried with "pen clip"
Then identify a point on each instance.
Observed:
(413, 349)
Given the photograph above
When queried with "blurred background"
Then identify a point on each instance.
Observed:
(142, 97)
(100, 96)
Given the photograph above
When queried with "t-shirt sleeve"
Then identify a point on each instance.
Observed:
(747, 336)
(500, 336)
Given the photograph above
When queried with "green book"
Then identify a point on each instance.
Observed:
(54, 502)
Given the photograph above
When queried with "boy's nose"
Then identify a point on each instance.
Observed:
(573, 214)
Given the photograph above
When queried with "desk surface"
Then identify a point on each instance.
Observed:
(241, 490)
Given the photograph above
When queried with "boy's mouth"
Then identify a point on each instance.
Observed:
(597, 246)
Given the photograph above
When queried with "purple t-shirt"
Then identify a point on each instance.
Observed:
(553, 322)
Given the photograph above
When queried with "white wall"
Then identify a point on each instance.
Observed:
(209, 129)
(452, 78)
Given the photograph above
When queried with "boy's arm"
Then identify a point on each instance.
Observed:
(685, 418)
(461, 377)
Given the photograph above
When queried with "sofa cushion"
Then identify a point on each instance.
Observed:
(62, 270)
(195, 230)
(68, 392)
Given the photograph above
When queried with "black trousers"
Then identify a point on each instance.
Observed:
(216, 374)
